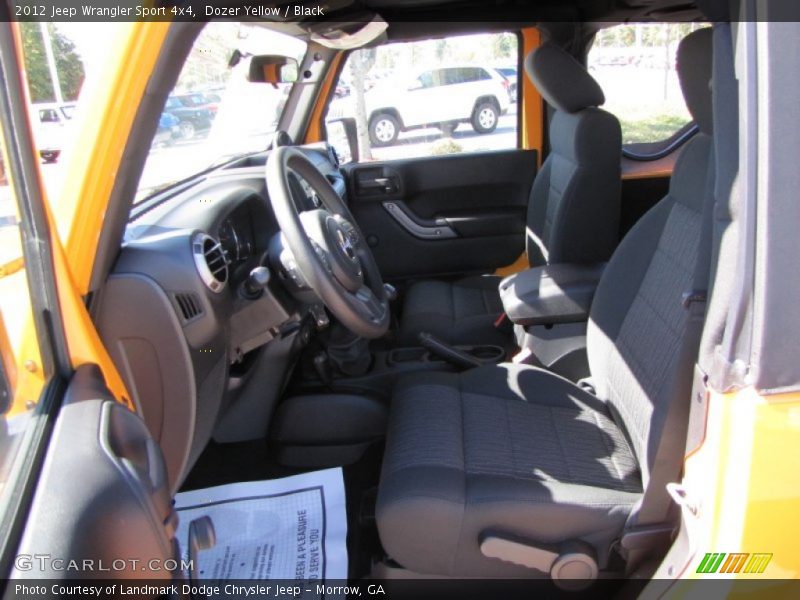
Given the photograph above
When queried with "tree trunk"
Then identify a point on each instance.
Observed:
(361, 62)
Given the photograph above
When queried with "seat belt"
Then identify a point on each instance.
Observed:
(650, 527)
(653, 527)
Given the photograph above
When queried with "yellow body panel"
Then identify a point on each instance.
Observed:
(77, 214)
(745, 482)
(532, 122)
(316, 128)
(110, 107)
(518, 265)
(110, 110)
(20, 346)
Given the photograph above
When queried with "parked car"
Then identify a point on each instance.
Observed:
(441, 97)
(49, 126)
(342, 90)
(510, 73)
(192, 120)
(200, 100)
(168, 129)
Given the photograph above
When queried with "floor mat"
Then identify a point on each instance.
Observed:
(255, 461)
(293, 528)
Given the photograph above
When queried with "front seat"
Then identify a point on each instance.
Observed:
(512, 465)
(573, 208)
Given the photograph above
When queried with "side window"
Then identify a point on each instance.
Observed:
(48, 115)
(651, 110)
(426, 80)
(401, 100)
(453, 76)
(23, 370)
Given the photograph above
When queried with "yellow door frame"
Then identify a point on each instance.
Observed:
(76, 215)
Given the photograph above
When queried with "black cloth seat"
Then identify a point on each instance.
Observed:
(463, 312)
(573, 208)
(508, 448)
(520, 452)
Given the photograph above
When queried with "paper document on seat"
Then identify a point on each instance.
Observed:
(293, 528)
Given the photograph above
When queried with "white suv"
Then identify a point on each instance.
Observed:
(51, 128)
(442, 97)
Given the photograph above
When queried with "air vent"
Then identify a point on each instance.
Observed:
(211, 262)
(188, 306)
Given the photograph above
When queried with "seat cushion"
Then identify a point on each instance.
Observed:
(504, 449)
(461, 312)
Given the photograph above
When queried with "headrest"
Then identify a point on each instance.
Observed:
(694, 71)
(562, 80)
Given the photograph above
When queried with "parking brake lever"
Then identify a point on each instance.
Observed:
(451, 354)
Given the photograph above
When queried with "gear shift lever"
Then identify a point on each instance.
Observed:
(254, 285)
(391, 292)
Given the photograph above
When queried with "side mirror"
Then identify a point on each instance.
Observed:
(273, 69)
(343, 136)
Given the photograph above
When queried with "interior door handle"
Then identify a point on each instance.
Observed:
(387, 185)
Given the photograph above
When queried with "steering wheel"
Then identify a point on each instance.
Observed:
(328, 246)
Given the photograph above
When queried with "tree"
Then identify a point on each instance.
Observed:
(361, 61)
(68, 63)
(504, 46)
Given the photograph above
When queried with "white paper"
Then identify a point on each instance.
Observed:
(292, 529)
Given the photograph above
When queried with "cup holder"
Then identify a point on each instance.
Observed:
(487, 353)
(406, 355)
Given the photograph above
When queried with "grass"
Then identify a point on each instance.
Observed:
(654, 128)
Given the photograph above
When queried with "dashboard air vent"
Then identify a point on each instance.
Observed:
(188, 306)
(211, 262)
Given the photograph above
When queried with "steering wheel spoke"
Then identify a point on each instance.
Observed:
(369, 303)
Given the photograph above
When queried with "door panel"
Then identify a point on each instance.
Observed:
(444, 215)
(103, 493)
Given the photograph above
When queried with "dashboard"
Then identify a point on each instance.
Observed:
(178, 315)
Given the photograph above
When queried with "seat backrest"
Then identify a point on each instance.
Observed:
(642, 337)
(574, 205)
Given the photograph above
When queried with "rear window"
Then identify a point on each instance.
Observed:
(464, 75)
(635, 66)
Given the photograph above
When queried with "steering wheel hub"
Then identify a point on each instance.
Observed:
(340, 255)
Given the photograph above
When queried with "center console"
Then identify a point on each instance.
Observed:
(549, 307)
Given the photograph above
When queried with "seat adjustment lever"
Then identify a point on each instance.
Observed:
(572, 565)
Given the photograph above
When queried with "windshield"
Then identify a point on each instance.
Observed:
(214, 113)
